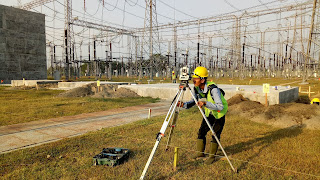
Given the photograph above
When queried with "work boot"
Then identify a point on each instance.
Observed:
(200, 149)
(212, 152)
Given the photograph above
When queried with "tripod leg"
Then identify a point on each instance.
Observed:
(214, 134)
(161, 134)
(171, 105)
(173, 124)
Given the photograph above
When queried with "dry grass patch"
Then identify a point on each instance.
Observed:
(253, 147)
(19, 106)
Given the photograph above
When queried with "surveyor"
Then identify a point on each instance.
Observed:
(173, 77)
(211, 98)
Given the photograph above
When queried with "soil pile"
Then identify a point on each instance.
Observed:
(104, 91)
(281, 115)
(78, 92)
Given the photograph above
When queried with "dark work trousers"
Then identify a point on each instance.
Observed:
(218, 127)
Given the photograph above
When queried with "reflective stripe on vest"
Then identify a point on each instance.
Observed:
(215, 113)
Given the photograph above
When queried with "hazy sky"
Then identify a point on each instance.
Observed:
(131, 13)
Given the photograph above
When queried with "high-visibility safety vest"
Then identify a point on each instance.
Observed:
(173, 76)
(215, 113)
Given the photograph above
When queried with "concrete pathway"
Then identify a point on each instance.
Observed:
(19, 136)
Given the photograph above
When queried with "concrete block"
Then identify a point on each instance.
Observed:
(21, 35)
(3, 47)
(254, 93)
(12, 25)
(2, 60)
(3, 39)
(3, 74)
(32, 75)
(14, 74)
(3, 32)
(42, 37)
(13, 66)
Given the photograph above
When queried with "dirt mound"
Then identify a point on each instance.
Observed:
(281, 115)
(105, 91)
(79, 92)
(303, 100)
(236, 99)
(118, 93)
(20, 88)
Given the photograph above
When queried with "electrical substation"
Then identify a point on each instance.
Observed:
(268, 40)
(96, 75)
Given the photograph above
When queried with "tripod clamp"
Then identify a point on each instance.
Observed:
(159, 136)
(184, 85)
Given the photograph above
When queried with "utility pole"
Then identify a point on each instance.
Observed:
(89, 61)
(217, 58)
(95, 59)
(51, 57)
(68, 15)
(74, 69)
(150, 45)
(54, 56)
(186, 57)
(122, 68)
(198, 44)
(110, 62)
(210, 55)
(168, 63)
(136, 54)
(66, 72)
(175, 48)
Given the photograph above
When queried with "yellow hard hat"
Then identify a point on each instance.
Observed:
(172, 71)
(315, 100)
(200, 72)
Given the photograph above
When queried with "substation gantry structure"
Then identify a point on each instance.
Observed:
(239, 55)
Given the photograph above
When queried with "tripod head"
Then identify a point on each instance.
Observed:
(184, 84)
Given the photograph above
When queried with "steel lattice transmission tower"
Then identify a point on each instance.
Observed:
(312, 60)
(151, 37)
(32, 4)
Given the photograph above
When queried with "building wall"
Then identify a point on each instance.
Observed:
(22, 45)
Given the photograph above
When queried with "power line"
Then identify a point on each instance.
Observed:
(177, 9)
(231, 5)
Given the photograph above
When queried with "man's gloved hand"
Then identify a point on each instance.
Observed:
(202, 102)
(180, 104)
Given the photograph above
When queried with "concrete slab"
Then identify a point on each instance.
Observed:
(10, 141)
(283, 94)
(61, 85)
(70, 85)
(31, 83)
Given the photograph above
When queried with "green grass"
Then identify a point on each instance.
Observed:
(19, 106)
(246, 143)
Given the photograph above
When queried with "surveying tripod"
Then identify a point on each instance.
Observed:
(182, 88)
